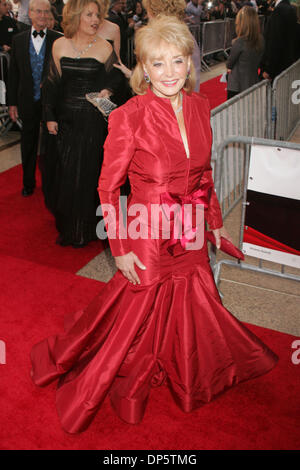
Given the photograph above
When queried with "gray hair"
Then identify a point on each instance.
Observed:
(32, 3)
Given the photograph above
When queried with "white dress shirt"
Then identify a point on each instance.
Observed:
(38, 41)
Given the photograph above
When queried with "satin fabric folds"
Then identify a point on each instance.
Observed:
(172, 328)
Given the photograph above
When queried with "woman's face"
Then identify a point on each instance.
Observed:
(167, 71)
(89, 19)
(138, 9)
(51, 21)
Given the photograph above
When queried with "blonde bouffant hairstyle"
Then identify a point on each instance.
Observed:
(72, 12)
(165, 7)
(148, 45)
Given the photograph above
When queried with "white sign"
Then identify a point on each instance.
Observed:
(274, 180)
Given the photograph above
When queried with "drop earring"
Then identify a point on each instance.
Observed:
(146, 77)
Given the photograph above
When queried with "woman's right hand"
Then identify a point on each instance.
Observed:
(52, 127)
(126, 265)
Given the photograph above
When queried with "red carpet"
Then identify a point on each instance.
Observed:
(39, 287)
(259, 414)
(28, 228)
(215, 91)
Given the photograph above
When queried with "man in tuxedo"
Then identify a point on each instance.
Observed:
(8, 28)
(280, 40)
(30, 54)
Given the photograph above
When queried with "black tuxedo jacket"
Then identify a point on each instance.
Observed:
(280, 39)
(20, 82)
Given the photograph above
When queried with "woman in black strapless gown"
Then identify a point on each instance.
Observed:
(72, 156)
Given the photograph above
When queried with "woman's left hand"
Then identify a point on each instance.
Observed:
(126, 71)
(105, 93)
(221, 232)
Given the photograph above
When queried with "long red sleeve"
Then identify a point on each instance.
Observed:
(119, 149)
(213, 214)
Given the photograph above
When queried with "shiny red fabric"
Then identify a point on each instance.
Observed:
(226, 246)
(144, 142)
(172, 327)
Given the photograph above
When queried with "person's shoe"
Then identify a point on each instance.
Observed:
(79, 244)
(27, 192)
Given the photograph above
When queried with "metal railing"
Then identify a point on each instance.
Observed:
(247, 114)
(220, 179)
(262, 111)
(196, 31)
(229, 33)
(5, 122)
(4, 64)
(286, 102)
(211, 37)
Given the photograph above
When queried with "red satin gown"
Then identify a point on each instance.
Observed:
(172, 327)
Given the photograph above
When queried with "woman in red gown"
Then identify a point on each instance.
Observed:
(160, 319)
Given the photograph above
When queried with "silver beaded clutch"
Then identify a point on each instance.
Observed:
(104, 105)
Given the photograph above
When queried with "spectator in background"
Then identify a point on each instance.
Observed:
(254, 4)
(24, 21)
(218, 12)
(234, 8)
(116, 16)
(109, 30)
(9, 9)
(245, 54)
(131, 4)
(281, 40)
(264, 7)
(53, 20)
(195, 11)
(58, 5)
(8, 28)
(51, 23)
(139, 17)
(29, 57)
(72, 151)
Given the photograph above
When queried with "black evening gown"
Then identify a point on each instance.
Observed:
(71, 161)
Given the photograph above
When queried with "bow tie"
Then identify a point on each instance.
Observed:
(35, 34)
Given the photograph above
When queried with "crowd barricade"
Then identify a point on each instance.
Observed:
(229, 33)
(262, 256)
(247, 114)
(5, 121)
(213, 34)
(4, 63)
(286, 102)
(196, 30)
(211, 37)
